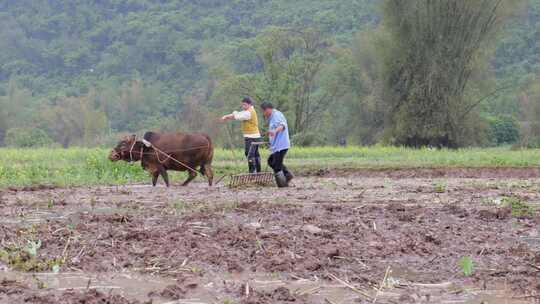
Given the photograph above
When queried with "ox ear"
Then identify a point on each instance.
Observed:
(129, 138)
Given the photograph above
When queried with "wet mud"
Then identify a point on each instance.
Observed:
(343, 238)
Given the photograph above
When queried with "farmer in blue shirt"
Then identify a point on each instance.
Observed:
(278, 134)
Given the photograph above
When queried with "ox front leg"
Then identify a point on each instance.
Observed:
(165, 176)
(155, 177)
(209, 174)
(191, 177)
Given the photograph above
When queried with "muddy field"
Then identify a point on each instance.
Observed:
(468, 236)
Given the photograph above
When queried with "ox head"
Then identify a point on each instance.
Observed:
(124, 149)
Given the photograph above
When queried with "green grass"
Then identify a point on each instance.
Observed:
(519, 206)
(81, 166)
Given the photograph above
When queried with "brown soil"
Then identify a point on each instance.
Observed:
(329, 231)
(15, 292)
(480, 172)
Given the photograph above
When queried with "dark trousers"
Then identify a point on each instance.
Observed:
(275, 161)
(252, 154)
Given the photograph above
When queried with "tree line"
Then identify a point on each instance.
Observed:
(416, 73)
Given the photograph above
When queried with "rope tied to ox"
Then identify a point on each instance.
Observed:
(157, 150)
(131, 151)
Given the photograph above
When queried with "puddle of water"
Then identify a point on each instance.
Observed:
(37, 217)
(133, 286)
(446, 291)
(496, 299)
(317, 290)
(532, 241)
(138, 287)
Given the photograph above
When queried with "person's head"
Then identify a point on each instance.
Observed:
(246, 103)
(267, 109)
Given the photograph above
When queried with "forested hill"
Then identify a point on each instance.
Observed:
(62, 45)
(82, 71)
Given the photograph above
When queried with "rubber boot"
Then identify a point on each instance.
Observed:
(288, 175)
(281, 180)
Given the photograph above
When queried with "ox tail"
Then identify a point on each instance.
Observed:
(209, 156)
(210, 152)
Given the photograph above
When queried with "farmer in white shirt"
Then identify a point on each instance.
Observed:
(250, 129)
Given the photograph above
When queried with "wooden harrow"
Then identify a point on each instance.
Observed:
(258, 179)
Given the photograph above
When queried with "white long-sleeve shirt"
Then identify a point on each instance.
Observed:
(242, 115)
(245, 115)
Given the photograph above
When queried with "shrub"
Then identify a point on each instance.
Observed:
(27, 138)
(308, 139)
(503, 130)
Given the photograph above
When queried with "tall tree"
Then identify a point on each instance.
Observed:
(529, 102)
(286, 69)
(436, 48)
(16, 108)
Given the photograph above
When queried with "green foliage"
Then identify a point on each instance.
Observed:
(440, 187)
(284, 67)
(519, 50)
(308, 139)
(430, 66)
(519, 207)
(32, 248)
(358, 110)
(503, 130)
(82, 166)
(85, 72)
(27, 138)
(466, 265)
(27, 258)
(529, 103)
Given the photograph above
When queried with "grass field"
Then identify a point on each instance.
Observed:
(81, 166)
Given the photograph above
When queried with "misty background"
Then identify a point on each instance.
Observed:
(83, 73)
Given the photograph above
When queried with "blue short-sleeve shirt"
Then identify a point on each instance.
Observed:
(281, 140)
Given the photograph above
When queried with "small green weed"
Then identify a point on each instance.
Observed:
(39, 283)
(519, 207)
(26, 259)
(93, 203)
(439, 187)
(466, 265)
(179, 207)
(32, 248)
(196, 270)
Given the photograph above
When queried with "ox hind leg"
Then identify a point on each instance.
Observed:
(165, 176)
(191, 177)
(207, 171)
(153, 170)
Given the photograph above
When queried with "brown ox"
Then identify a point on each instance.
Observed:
(171, 151)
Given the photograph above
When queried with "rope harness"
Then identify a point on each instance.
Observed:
(157, 151)
(131, 151)
(149, 145)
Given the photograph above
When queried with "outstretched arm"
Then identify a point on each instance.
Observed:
(242, 115)
(227, 117)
